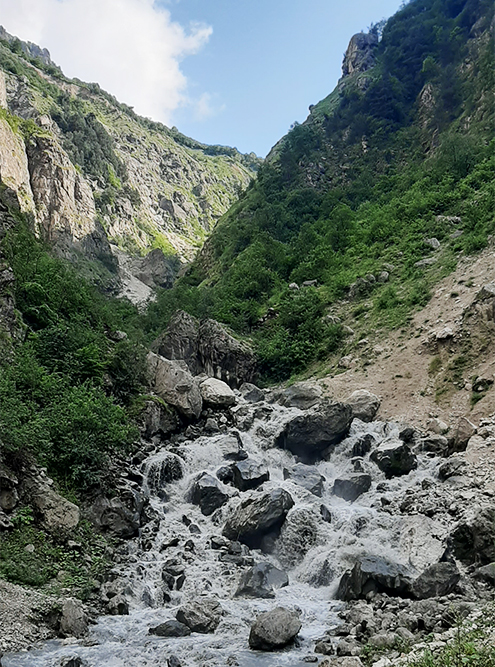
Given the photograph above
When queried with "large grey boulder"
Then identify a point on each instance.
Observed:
(73, 622)
(251, 393)
(302, 395)
(394, 458)
(258, 517)
(486, 573)
(56, 513)
(261, 580)
(306, 476)
(473, 540)
(249, 474)
(172, 381)
(216, 393)
(201, 615)
(170, 629)
(209, 494)
(437, 580)
(274, 629)
(364, 404)
(158, 419)
(309, 435)
(374, 574)
(352, 487)
(119, 516)
(207, 347)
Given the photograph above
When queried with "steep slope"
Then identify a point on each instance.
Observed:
(372, 199)
(91, 171)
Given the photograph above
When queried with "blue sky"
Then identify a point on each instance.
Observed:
(234, 72)
(266, 62)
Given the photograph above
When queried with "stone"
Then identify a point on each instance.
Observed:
(258, 516)
(374, 574)
(363, 445)
(326, 515)
(437, 445)
(261, 580)
(360, 53)
(364, 404)
(202, 615)
(486, 292)
(425, 262)
(298, 534)
(173, 661)
(438, 580)
(452, 466)
(486, 573)
(9, 496)
(274, 629)
(180, 341)
(157, 419)
(350, 661)
(56, 513)
(433, 243)
(170, 629)
(118, 606)
(325, 648)
(251, 393)
(383, 277)
(121, 517)
(73, 622)
(437, 426)
(216, 393)
(308, 436)
(394, 458)
(306, 476)
(230, 446)
(163, 470)
(302, 395)
(463, 431)
(473, 540)
(351, 488)
(172, 381)
(249, 474)
(209, 494)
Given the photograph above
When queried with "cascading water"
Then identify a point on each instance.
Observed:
(314, 551)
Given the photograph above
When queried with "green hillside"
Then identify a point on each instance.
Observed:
(397, 155)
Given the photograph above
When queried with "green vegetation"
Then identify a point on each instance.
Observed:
(64, 397)
(362, 184)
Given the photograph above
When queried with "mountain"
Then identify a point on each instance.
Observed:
(91, 172)
(372, 199)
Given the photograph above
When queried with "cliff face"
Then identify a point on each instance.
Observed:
(93, 174)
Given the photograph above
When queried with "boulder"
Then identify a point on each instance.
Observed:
(364, 404)
(360, 53)
(274, 629)
(201, 615)
(172, 381)
(261, 580)
(438, 445)
(73, 622)
(231, 446)
(348, 661)
(311, 434)
(307, 477)
(180, 341)
(161, 470)
(462, 432)
(363, 445)
(486, 573)
(352, 487)
(251, 393)
(216, 393)
(118, 606)
(249, 474)
(170, 629)
(374, 574)
(209, 494)
(302, 395)
(158, 419)
(121, 517)
(437, 580)
(452, 467)
(258, 517)
(56, 513)
(9, 496)
(394, 458)
(473, 540)
(298, 534)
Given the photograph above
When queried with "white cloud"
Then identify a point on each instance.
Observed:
(132, 48)
(205, 108)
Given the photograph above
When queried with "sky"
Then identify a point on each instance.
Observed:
(232, 72)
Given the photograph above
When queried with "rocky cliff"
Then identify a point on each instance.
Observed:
(91, 173)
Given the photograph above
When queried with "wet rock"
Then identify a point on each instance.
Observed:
(163, 470)
(351, 488)
(326, 515)
(473, 540)
(274, 629)
(157, 419)
(225, 474)
(207, 492)
(120, 517)
(202, 615)
(307, 477)
(173, 661)
(170, 629)
(394, 458)
(71, 661)
(374, 574)
(364, 404)
(257, 517)
(249, 474)
(261, 580)
(311, 434)
(216, 393)
(297, 536)
(437, 580)
(437, 445)
(231, 447)
(73, 622)
(486, 573)
(325, 648)
(363, 445)
(172, 381)
(251, 393)
(118, 606)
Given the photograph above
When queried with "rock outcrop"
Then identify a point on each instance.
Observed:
(360, 54)
(172, 381)
(274, 629)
